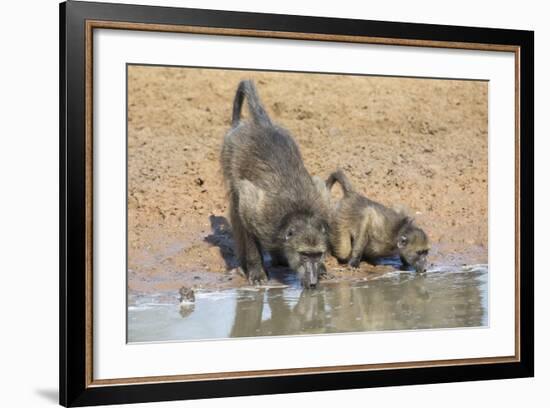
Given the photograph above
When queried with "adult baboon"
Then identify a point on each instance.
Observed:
(275, 205)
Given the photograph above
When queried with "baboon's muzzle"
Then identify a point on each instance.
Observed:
(420, 266)
(310, 268)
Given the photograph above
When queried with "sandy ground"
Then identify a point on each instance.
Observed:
(418, 143)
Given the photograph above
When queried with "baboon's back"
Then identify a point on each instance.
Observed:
(268, 157)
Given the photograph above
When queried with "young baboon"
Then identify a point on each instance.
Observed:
(362, 228)
(275, 205)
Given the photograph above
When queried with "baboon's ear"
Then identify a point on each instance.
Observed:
(402, 241)
(404, 225)
(250, 196)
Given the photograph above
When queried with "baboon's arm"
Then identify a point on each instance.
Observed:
(246, 245)
(254, 262)
(341, 243)
(360, 240)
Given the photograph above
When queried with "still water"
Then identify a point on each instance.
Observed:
(441, 298)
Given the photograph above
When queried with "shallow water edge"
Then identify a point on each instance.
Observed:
(444, 297)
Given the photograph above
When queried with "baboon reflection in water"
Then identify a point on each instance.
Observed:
(409, 302)
(398, 301)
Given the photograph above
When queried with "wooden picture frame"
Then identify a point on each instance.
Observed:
(78, 20)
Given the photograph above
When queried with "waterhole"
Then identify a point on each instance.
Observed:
(441, 298)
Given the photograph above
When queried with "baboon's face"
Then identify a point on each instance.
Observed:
(305, 243)
(413, 248)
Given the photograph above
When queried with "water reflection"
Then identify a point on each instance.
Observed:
(397, 301)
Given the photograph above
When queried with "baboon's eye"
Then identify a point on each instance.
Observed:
(423, 252)
(289, 233)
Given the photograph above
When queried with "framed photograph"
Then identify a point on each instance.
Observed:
(256, 203)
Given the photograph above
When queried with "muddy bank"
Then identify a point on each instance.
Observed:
(417, 143)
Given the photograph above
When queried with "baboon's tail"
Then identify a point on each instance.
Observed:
(257, 111)
(340, 177)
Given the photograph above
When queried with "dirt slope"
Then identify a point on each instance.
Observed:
(418, 143)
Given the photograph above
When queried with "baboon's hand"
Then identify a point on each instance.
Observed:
(324, 273)
(257, 276)
(354, 262)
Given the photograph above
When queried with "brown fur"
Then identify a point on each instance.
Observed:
(275, 205)
(362, 228)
